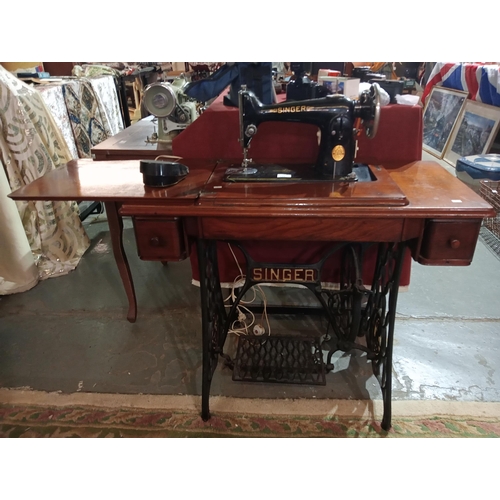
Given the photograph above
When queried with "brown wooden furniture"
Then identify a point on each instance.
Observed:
(131, 143)
(429, 206)
(417, 206)
(59, 68)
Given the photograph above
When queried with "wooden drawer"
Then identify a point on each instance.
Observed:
(302, 228)
(160, 239)
(449, 242)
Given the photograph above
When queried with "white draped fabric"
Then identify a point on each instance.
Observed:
(18, 271)
(54, 99)
(30, 146)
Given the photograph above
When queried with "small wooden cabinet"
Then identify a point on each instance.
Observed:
(160, 238)
(449, 242)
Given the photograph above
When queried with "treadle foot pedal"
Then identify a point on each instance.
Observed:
(289, 360)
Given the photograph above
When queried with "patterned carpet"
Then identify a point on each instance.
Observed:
(83, 420)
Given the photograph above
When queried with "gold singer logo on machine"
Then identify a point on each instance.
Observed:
(338, 152)
(297, 274)
(289, 109)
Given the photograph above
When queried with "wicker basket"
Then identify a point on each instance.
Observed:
(490, 191)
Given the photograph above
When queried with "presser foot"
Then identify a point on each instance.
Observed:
(241, 171)
(245, 168)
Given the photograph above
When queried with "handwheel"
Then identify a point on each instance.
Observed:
(372, 125)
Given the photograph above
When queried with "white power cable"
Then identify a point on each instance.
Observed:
(247, 324)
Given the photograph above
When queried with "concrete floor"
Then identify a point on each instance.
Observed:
(70, 334)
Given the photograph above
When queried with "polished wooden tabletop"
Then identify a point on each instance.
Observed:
(131, 143)
(421, 189)
(428, 189)
(117, 181)
(302, 190)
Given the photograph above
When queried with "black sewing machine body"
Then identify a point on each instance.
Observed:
(336, 117)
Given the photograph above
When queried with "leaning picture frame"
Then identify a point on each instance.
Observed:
(442, 109)
(474, 132)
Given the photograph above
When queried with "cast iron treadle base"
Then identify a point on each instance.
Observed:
(289, 360)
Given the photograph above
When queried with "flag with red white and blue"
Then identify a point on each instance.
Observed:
(481, 82)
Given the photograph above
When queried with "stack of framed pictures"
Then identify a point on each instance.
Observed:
(455, 126)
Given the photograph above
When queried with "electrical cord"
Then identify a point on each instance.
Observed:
(170, 157)
(247, 323)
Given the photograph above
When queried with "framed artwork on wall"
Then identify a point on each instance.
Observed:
(442, 109)
(475, 131)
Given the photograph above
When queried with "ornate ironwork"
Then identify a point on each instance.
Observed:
(291, 360)
(379, 317)
(344, 306)
(214, 328)
(368, 314)
(358, 317)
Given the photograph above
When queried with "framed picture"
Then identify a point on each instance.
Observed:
(441, 112)
(474, 133)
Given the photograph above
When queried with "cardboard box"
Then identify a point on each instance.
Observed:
(341, 85)
(328, 72)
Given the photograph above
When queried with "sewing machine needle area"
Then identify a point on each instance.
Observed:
(339, 120)
(294, 173)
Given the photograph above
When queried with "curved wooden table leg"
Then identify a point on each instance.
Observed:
(115, 223)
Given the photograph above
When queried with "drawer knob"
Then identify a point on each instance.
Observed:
(454, 243)
(155, 241)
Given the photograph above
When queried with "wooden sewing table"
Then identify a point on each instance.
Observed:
(417, 207)
(131, 143)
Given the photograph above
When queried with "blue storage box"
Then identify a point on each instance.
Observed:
(472, 169)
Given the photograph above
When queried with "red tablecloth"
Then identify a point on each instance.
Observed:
(214, 135)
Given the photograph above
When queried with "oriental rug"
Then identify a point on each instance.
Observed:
(36, 414)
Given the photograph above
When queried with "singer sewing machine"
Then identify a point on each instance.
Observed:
(172, 108)
(339, 120)
(359, 235)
